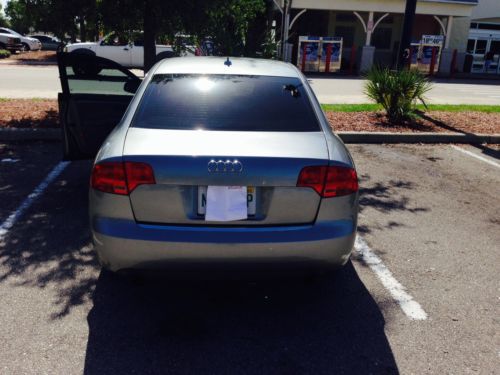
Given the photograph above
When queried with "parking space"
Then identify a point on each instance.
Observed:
(23, 166)
(430, 214)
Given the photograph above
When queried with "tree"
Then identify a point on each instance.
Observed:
(3, 20)
(60, 17)
(228, 21)
(18, 12)
(237, 27)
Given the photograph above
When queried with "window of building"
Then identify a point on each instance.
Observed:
(495, 46)
(471, 44)
(347, 33)
(382, 38)
(481, 46)
(345, 17)
(488, 26)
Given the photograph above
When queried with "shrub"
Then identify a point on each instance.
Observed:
(4, 54)
(397, 92)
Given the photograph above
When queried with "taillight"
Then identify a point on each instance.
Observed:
(138, 174)
(329, 181)
(109, 178)
(121, 178)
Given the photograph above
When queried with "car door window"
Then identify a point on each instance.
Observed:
(114, 40)
(94, 75)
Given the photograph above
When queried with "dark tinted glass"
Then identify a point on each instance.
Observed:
(226, 102)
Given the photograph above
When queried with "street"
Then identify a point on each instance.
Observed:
(43, 82)
(429, 223)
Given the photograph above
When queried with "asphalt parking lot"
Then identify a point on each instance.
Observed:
(420, 295)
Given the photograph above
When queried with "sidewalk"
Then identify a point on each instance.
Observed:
(31, 81)
(350, 91)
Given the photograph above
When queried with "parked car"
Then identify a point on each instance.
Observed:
(10, 42)
(128, 52)
(215, 161)
(27, 43)
(49, 43)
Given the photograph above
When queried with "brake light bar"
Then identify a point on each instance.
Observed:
(329, 181)
(121, 178)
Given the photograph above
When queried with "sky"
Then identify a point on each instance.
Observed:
(3, 2)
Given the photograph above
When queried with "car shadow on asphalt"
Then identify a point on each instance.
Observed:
(276, 327)
(198, 327)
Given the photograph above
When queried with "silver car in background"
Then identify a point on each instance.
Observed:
(198, 134)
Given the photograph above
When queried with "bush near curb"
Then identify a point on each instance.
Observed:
(4, 54)
(397, 92)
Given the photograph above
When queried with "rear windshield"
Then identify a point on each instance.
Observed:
(225, 102)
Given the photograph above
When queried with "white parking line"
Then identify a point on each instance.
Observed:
(28, 201)
(410, 307)
(479, 157)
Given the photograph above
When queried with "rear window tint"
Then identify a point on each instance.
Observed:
(226, 102)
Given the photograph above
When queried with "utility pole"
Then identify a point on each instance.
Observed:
(404, 54)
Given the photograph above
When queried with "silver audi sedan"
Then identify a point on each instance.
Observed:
(221, 161)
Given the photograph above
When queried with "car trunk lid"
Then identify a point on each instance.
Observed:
(270, 164)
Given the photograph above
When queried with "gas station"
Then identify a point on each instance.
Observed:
(329, 36)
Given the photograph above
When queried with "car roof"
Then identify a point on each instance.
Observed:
(220, 65)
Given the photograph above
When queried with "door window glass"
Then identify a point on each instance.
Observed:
(471, 45)
(495, 47)
(94, 75)
(382, 38)
(481, 46)
(117, 40)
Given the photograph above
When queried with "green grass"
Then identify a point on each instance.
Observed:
(431, 107)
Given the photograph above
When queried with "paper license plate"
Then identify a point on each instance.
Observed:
(251, 200)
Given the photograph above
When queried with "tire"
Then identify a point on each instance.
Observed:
(26, 47)
(165, 55)
(84, 69)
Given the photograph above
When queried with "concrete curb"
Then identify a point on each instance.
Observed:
(13, 134)
(387, 137)
(27, 63)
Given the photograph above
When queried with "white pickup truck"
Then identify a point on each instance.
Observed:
(128, 52)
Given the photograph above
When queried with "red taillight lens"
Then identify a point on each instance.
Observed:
(329, 181)
(138, 174)
(313, 177)
(340, 181)
(109, 178)
(121, 178)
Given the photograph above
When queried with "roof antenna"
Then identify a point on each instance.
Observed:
(228, 62)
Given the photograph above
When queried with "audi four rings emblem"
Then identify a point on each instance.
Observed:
(228, 166)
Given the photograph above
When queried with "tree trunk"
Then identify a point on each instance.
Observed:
(149, 35)
(83, 31)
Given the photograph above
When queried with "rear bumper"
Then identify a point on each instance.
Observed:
(124, 244)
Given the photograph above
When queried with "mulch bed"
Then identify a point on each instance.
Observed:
(434, 122)
(33, 56)
(27, 113)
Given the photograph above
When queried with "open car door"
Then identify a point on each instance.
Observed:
(95, 95)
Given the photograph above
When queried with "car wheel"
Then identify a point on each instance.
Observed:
(165, 55)
(25, 47)
(85, 68)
